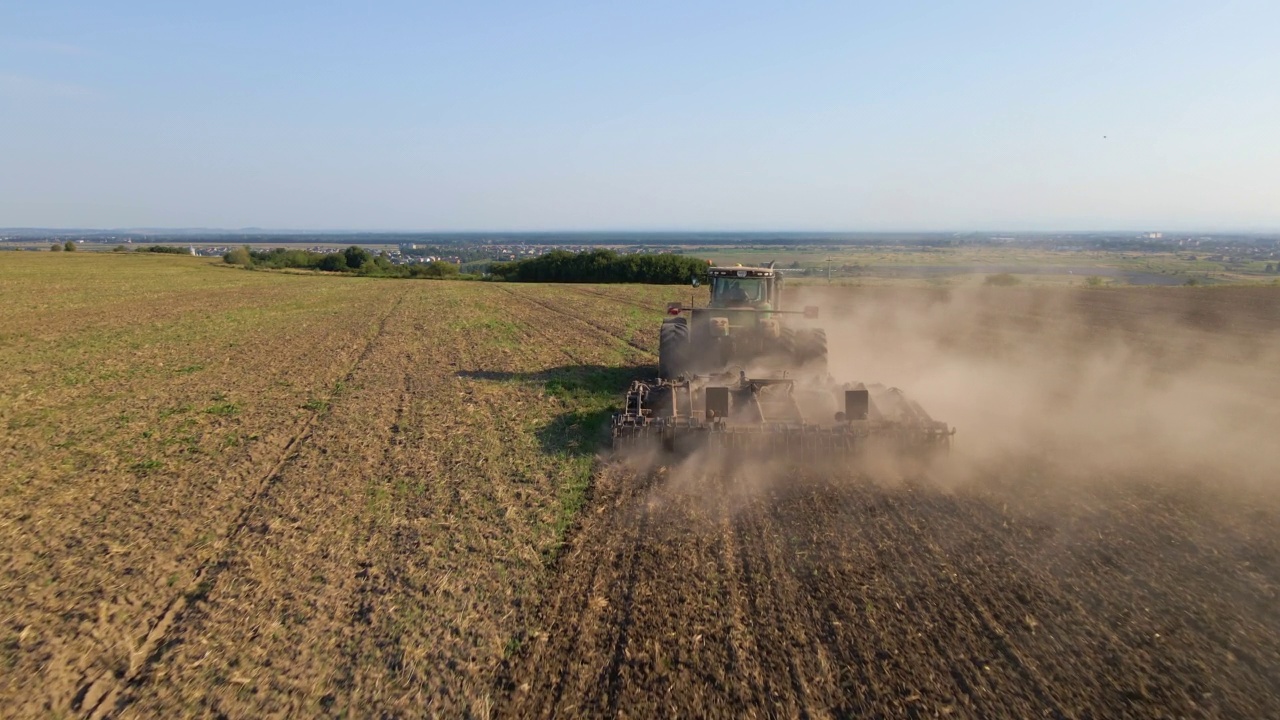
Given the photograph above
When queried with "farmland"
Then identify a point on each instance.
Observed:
(242, 494)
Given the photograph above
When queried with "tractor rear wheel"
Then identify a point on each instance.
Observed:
(673, 348)
(811, 350)
(787, 345)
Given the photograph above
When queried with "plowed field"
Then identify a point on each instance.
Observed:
(235, 494)
(844, 598)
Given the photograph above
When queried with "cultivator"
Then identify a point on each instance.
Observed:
(776, 418)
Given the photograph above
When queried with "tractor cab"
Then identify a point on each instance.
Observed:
(758, 288)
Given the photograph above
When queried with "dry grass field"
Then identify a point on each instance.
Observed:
(244, 494)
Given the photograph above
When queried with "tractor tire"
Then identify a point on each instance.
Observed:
(784, 353)
(673, 348)
(811, 350)
(787, 340)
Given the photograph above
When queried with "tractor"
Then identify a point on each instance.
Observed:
(744, 325)
(735, 375)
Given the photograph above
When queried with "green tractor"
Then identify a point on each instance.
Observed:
(744, 325)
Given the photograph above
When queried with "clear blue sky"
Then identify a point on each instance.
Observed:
(656, 115)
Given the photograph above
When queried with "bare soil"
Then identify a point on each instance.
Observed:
(841, 597)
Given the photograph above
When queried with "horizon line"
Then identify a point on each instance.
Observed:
(667, 231)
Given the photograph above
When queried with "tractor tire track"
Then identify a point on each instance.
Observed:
(105, 694)
(363, 599)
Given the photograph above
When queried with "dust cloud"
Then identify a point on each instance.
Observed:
(1084, 384)
(1060, 388)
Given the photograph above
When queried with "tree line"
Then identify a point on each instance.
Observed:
(591, 266)
(70, 246)
(354, 260)
(602, 266)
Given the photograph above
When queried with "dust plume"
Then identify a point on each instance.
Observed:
(1088, 383)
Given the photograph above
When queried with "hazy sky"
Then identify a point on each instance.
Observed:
(654, 115)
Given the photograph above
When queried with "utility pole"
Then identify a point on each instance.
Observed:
(828, 271)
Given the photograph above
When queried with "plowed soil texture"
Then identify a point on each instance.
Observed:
(827, 597)
(237, 494)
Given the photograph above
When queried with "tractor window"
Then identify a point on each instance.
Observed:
(731, 290)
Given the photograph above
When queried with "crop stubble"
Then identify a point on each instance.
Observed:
(134, 437)
(391, 561)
